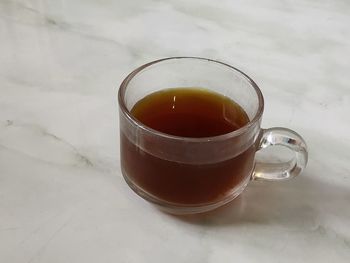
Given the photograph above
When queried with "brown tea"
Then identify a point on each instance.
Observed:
(194, 113)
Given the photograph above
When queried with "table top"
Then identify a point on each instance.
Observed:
(62, 195)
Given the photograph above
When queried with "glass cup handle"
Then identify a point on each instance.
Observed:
(284, 170)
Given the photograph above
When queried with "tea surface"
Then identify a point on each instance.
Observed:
(190, 112)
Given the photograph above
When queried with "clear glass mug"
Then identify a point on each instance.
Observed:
(185, 175)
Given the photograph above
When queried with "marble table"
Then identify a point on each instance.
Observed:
(62, 196)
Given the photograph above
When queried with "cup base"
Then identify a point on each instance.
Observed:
(181, 209)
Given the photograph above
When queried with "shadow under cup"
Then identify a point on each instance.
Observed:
(181, 174)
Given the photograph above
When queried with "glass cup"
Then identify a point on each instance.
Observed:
(185, 175)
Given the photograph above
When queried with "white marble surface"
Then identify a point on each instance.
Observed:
(62, 196)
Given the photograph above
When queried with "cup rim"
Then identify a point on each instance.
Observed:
(241, 130)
